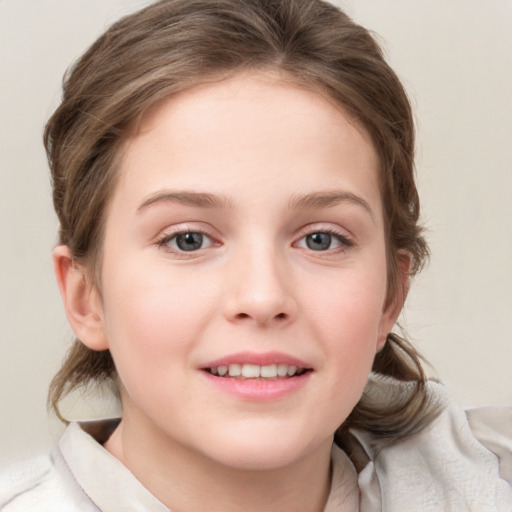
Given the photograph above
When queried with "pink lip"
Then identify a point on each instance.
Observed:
(258, 390)
(262, 359)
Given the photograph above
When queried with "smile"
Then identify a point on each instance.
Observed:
(257, 376)
(254, 371)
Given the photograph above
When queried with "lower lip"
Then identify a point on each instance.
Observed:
(258, 389)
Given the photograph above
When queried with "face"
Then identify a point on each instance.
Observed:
(244, 272)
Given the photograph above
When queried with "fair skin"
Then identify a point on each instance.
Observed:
(284, 266)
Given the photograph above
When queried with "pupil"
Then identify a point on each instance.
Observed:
(189, 241)
(318, 241)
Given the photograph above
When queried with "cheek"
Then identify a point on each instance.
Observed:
(348, 320)
(350, 305)
(153, 321)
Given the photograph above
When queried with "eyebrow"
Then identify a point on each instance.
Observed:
(321, 199)
(187, 198)
(327, 199)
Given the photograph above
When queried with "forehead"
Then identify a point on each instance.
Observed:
(253, 126)
(250, 98)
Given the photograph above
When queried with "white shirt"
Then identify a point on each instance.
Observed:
(462, 462)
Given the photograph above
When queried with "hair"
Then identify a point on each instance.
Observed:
(173, 45)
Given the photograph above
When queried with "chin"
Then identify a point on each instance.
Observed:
(265, 451)
(260, 459)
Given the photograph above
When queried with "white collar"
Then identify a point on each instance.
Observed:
(112, 487)
(103, 478)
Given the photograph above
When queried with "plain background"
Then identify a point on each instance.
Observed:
(453, 57)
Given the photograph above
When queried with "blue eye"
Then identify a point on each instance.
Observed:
(187, 241)
(323, 241)
(319, 241)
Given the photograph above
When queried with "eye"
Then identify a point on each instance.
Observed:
(187, 241)
(323, 241)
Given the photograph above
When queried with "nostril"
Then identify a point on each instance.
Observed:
(279, 316)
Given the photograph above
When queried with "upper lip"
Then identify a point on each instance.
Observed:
(260, 359)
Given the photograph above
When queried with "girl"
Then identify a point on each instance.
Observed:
(238, 227)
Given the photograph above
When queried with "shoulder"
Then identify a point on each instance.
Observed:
(39, 484)
(462, 459)
(482, 435)
(21, 480)
(492, 427)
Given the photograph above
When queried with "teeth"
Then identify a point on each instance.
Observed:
(292, 370)
(282, 370)
(269, 371)
(254, 371)
(235, 370)
(250, 371)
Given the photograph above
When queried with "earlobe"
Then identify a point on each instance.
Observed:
(396, 303)
(80, 299)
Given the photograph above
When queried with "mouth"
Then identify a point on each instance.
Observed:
(258, 377)
(246, 371)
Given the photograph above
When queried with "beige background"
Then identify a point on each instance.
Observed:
(454, 57)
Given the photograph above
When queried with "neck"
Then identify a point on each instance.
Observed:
(174, 474)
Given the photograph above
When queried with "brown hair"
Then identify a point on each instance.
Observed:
(173, 45)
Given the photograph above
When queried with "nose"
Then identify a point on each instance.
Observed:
(258, 289)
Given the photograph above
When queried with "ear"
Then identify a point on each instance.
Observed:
(396, 303)
(81, 300)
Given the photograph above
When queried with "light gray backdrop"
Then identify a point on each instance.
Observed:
(454, 58)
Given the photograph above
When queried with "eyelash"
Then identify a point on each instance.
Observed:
(345, 242)
(162, 242)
